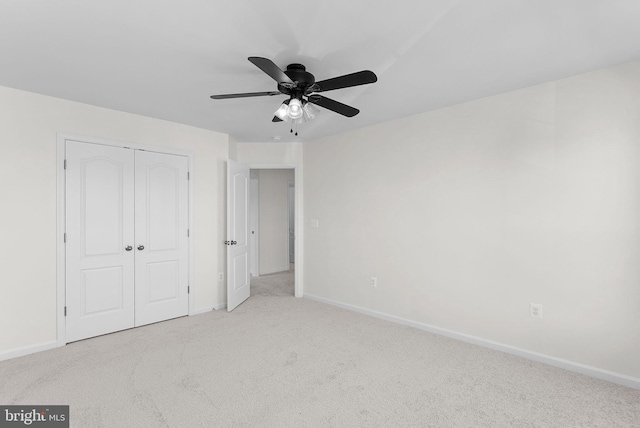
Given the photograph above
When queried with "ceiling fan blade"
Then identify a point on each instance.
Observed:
(353, 79)
(271, 69)
(333, 105)
(276, 119)
(245, 95)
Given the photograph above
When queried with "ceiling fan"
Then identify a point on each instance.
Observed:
(301, 87)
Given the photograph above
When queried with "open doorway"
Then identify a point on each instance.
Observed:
(272, 231)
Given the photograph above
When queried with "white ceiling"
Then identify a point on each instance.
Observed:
(163, 58)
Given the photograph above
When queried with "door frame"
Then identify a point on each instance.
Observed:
(291, 184)
(61, 261)
(299, 218)
(254, 223)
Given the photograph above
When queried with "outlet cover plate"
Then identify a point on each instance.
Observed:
(535, 310)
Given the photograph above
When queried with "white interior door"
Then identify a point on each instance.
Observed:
(161, 237)
(99, 240)
(238, 287)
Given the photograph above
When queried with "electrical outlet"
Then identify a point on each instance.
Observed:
(221, 276)
(374, 281)
(535, 310)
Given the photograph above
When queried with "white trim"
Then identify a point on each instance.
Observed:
(291, 184)
(219, 306)
(607, 375)
(299, 219)
(60, 188)
(116, 143)
(20, 352)
(60, 250)
(254, 206)
(192, 234)
(201, 310)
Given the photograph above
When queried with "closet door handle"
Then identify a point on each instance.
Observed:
(140, 247)
(128, 248)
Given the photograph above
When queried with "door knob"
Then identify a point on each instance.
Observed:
(128, 248)
(140, 247)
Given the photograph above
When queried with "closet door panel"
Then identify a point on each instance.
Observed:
(161, 237)
(99, 227)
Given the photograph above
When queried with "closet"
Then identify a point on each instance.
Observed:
(126, 238)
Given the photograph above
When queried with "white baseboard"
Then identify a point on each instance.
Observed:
(20, 352)
(201, 310)
(609, 376)
(219, 306)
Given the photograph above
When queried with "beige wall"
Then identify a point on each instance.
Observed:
(468, 214)
(274, 153)
(233, 149)
(28, 169)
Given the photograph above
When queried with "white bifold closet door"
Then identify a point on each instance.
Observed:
(126, 238)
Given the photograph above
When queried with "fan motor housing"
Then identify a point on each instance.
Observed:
(302, 78)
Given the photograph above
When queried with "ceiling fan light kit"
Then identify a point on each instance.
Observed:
(310, 112)
(295, 109)
(290, 110)
(301, 87)
(282, 112)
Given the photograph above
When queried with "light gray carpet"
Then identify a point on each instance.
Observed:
(277, 284)
(278, 361)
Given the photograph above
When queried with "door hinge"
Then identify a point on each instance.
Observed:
(65, 238)
(188, 175)
(188, 289)
(187, 233)
(65, 164)
(65, 311)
